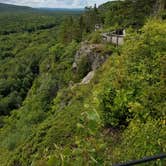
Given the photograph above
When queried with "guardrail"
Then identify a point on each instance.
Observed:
(144, 160)
(113, 38)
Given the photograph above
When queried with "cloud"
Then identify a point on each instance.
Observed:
(55, 3)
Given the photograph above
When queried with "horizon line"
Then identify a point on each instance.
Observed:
(44, 7)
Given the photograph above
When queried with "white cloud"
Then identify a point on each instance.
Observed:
(55, 3)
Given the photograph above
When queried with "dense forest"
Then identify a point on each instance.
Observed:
(69, 98)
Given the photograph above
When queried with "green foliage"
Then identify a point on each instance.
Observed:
(91, 17)
(18, 72)
(115, 107)
(39, 97)
(136, 89)
(70, 30)
(52, 120)
(115, 13)
(77, 29)
(141, 140)
(26, 22)
(134, 98)
(95, 37)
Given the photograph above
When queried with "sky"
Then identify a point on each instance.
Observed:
(55, 3)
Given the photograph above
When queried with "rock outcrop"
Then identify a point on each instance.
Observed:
(88, 78)
(93, 53)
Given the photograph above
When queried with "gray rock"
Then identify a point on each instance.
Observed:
(88, 78)
(94, 57)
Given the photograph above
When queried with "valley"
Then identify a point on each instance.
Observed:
(70, 95)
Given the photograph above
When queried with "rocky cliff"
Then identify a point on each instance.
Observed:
(88, 58)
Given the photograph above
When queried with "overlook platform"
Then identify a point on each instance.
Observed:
(115, 37)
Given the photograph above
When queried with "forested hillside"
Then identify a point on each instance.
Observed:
(13, 8)
(69, 98)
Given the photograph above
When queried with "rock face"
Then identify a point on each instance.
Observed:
(93, 53)
(88, 78)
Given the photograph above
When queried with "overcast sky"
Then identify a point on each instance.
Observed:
(55, 3)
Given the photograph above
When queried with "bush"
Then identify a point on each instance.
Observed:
(95, 37)
(141, 140)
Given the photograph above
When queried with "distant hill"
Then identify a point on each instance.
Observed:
(13, 8)
(136, 14)
(61, 9)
